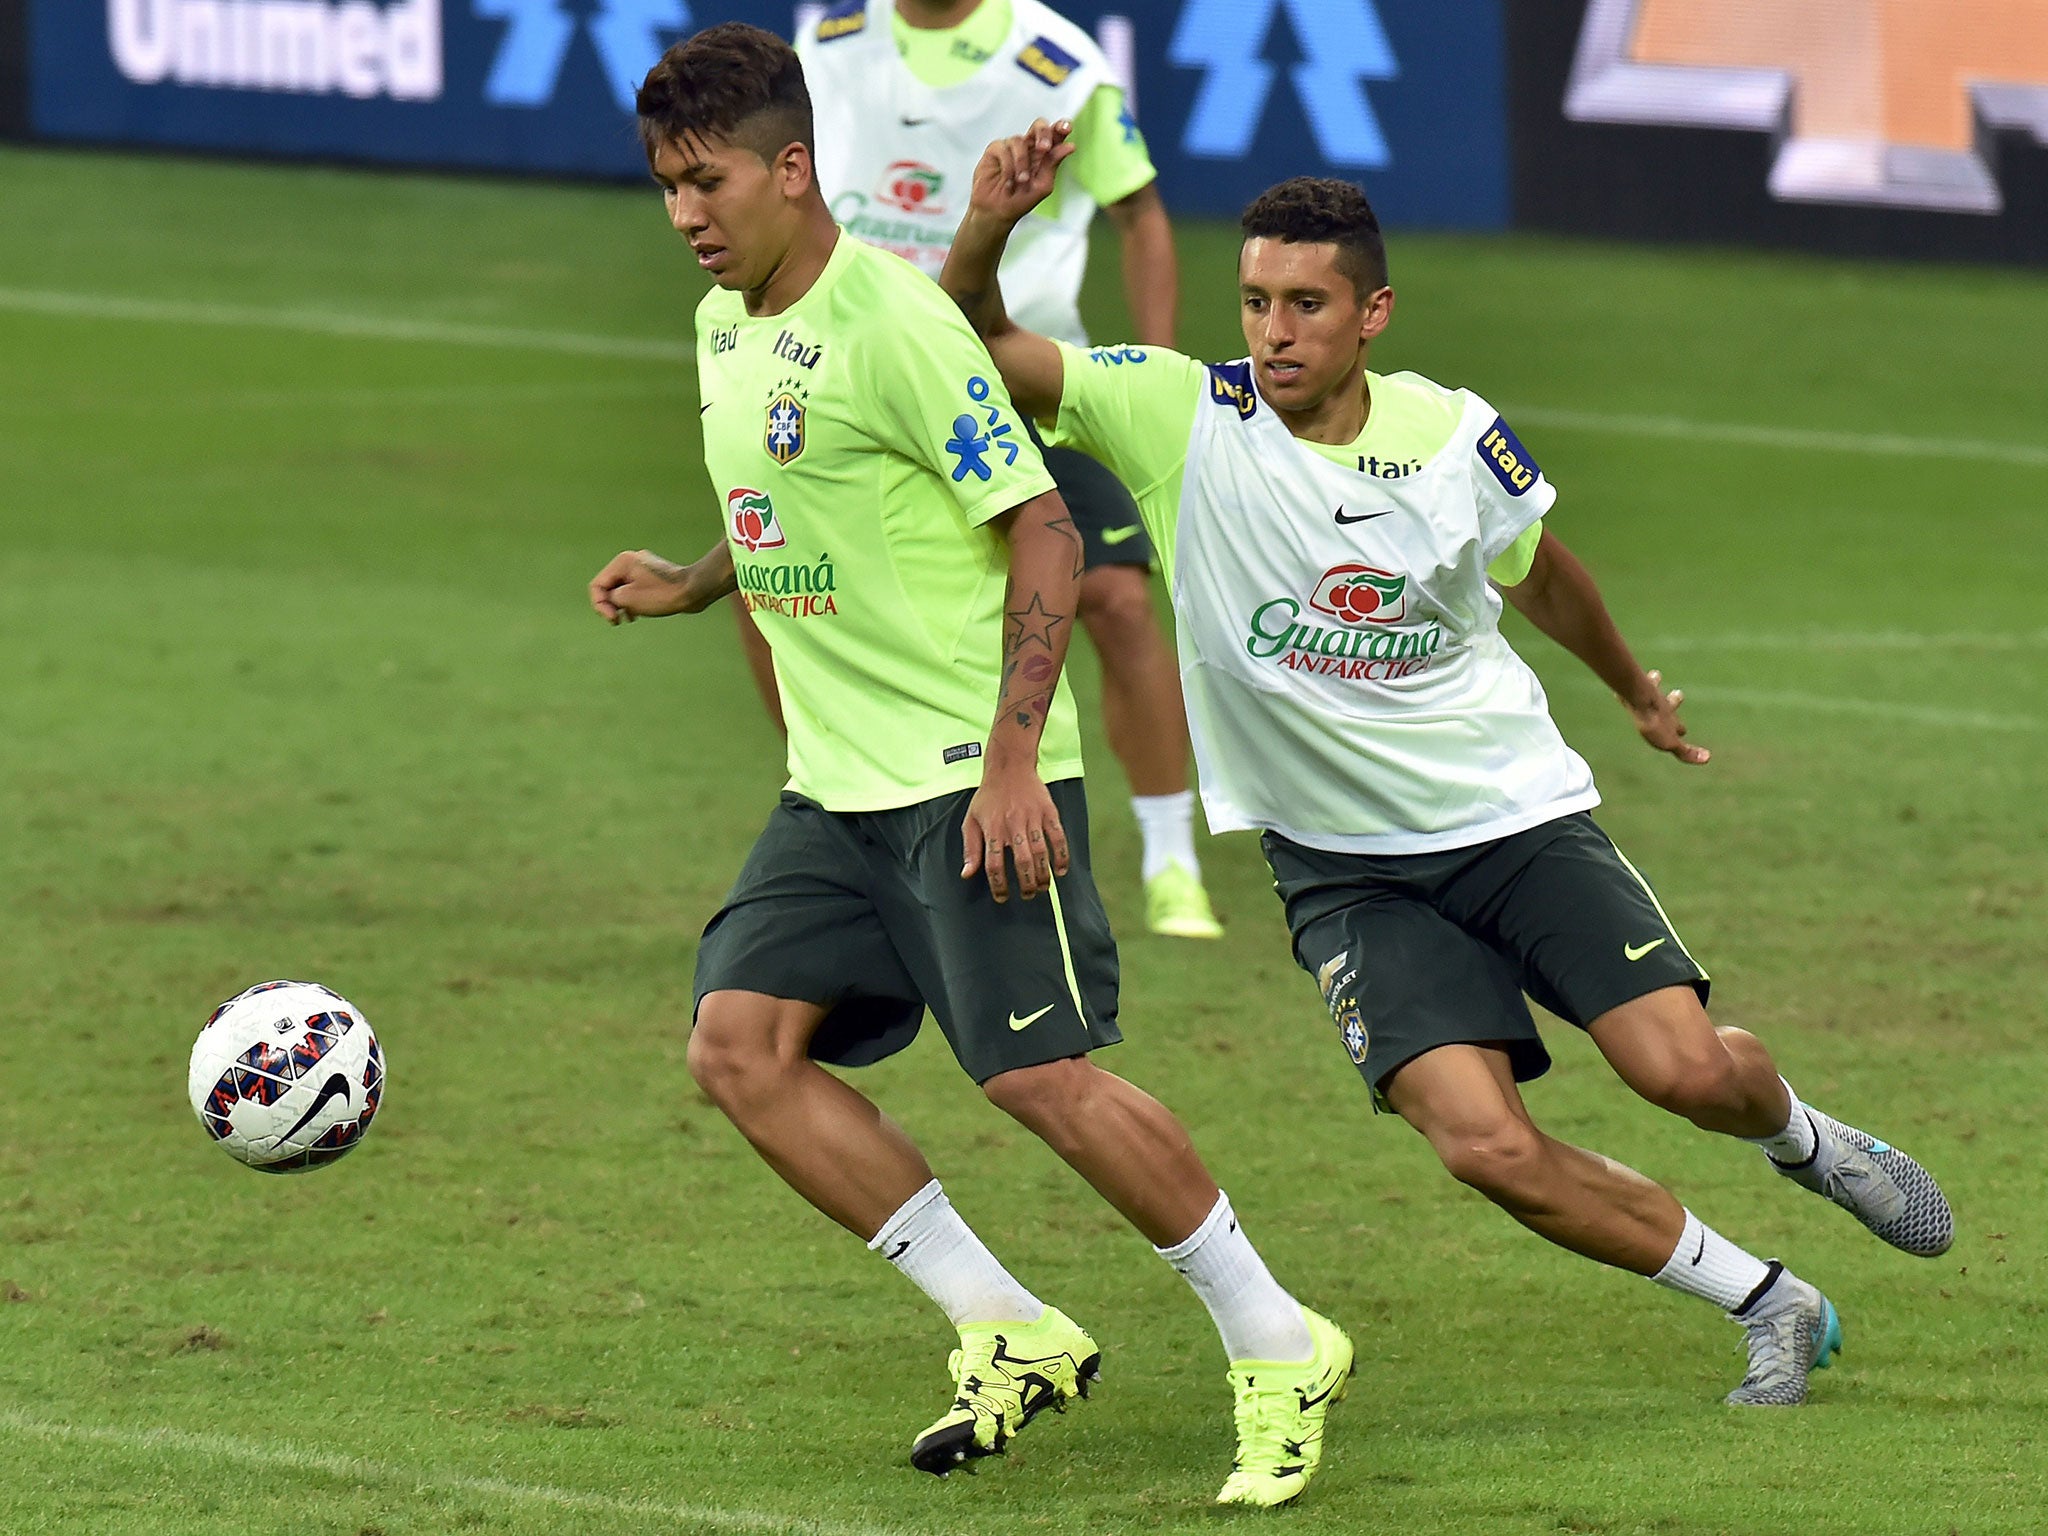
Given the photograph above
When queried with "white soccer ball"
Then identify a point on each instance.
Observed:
(286, 1076)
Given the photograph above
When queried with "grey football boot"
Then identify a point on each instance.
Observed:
(1793, 1332)
(1876, 1183)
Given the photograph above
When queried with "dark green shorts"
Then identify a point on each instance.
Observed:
(1414, 951)
(1104, 511)
(866, 913)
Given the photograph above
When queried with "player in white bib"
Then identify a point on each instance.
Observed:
(907, 94)
(1338, 544)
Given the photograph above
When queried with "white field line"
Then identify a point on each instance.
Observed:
(1798, 439)
(1869, 709)
(366, 397)
(321, 322)
(255, 1453)
(106, 306)
(1851, 640)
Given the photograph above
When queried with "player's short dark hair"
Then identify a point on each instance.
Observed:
(732, 82)
(1316, 210)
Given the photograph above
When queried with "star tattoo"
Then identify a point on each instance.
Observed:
(1033, 623)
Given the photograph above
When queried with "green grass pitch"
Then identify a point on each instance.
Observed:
(299, 680)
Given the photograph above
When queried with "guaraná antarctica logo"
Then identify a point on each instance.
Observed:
(753, 520)
(913, 187)
(1363, 645)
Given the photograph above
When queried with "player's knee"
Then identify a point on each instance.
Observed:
(730, 1054)
(1041, 1097)
(1503, 1160)
(1703, 1086)
(1116, 603)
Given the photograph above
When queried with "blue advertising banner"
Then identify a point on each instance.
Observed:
(1407, 96)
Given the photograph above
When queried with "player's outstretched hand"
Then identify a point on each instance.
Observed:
(1016, 174)
(1661, 727)
(1013, 813)
(639, 584)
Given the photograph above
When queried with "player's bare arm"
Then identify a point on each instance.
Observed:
(1013, 809)
(1560, 598)
(1015, 175)
(639, 584)
(1151, 266)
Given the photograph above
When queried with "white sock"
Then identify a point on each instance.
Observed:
(1796, 1145)
(1167, 823)
(1707, 1265)
(1258, 1320)
(942, 1257)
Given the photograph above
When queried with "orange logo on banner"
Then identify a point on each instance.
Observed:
(1878, 100)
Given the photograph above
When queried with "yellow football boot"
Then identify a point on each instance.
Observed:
(1004, 1375)
(1178, 907)
(1280, 1412)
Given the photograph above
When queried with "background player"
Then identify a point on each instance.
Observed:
(1336, 542)
(907, 95)
(916, 574)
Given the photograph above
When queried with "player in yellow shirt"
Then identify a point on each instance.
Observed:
(907, 93)
(892, 527)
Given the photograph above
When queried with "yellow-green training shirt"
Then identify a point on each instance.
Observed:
(859, 443)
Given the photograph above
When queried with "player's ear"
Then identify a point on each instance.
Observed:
(1375, 312)
(793, 171)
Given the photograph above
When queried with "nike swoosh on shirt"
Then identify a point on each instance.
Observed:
(1017, 1023)
(1637, 951)
(704, 407)
(338, 1083)
(1362, 517)
(1119, 535)
(915, 122)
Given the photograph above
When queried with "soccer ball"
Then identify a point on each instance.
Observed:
(286, 1076)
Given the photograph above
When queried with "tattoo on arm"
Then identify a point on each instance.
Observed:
(1064, 526)
(1029, 661)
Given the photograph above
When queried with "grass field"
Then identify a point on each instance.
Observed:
(301, 475)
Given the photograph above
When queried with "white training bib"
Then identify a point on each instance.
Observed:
(1347, 683)
(896, 157)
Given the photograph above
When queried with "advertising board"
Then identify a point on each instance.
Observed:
(1880, 127)
(1407, 95)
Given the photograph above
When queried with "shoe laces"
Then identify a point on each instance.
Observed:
(1851, 1173)
(1774, 1343)
(980, 1382)
(1262, 1416)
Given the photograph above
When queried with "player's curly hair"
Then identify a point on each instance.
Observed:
(1315, 210)
(732, 82)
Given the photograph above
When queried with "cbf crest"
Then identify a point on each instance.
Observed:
(1334, 978)
(1351, 1029)
(783, 433)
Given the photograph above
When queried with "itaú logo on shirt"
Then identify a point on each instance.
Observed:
(912, 186)
(1361, 594)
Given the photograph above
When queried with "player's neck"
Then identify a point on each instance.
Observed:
(798, 271)
(936, 15)
(1338, 417)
